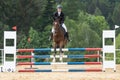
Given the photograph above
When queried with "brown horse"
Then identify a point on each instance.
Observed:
(59, 40)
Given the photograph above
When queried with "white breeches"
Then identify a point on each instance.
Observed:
(63, 25)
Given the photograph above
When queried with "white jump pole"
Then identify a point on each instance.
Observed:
(109, 49)
(9, 51)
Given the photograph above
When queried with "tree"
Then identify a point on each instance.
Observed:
(46, 18)
(115, 18)
(116, 13)
(34, 38)
(82, 35)
(118, 42)
(118, 47)
(96, 23)
(22, 13)
(3, 27)
(91, 6)
(22, 42)
(98, 12)
(72, 8)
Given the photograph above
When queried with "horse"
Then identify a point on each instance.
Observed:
(59, 40)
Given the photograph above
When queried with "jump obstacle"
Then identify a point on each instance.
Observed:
(10, 66)
(58, 63)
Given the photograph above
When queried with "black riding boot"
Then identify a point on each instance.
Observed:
(67, 36)
(51, 37)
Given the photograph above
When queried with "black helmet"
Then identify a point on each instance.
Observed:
(59, 6)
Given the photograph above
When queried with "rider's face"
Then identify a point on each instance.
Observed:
(59, 9)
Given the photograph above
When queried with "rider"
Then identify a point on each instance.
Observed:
(60, 15)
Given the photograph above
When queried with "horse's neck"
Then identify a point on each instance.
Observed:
(59, 30)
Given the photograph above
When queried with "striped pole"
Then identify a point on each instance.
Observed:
(51, 49)
(64, 63)
(63, 70)
(57, 56)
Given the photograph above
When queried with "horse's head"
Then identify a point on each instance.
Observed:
(56, 24)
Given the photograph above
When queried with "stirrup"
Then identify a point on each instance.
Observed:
(68, 40)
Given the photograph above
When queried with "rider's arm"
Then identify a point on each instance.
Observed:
(62, 18)
(54, 16)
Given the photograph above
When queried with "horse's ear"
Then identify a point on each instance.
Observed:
(57, 20)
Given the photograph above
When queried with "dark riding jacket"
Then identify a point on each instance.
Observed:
(61, 17)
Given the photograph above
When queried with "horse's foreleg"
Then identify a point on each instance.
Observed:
(60, 55)
(61, 52)
(54, 56)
